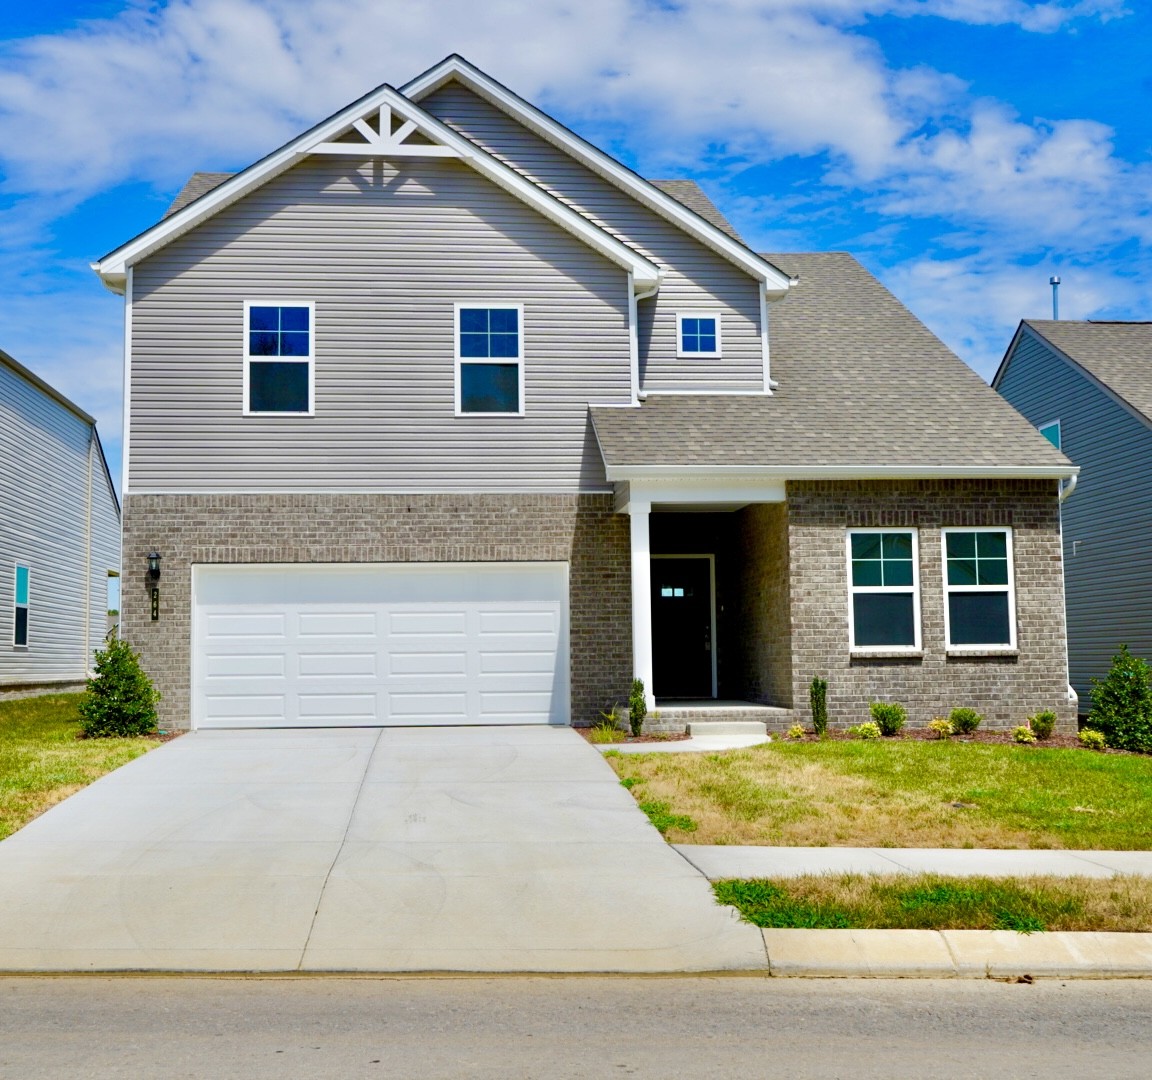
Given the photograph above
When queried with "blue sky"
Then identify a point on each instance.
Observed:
(964, 150)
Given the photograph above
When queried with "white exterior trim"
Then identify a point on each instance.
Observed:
(518, 359)
(703, 313)
(885, 590)
(775, 282)
(126, 434)
(1010, 589)
(310, 359)
(711, 613)
(845, 472)
(113, 267)
(640, 548)
(689, 490)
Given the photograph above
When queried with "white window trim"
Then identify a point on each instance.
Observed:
(27, 607)
(992, 646)
(518, 359)
(709, 313)
(310, 359)
(1059, 432)
(914, 588)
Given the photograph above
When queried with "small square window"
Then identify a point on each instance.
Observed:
(698, 334)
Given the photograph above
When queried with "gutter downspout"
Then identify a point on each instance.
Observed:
(1065, 491)
(638, 395)
(1071, 487)
(88, 559)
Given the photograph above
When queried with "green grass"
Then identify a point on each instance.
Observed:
(42, 761)
(891, 793)
(934, 902)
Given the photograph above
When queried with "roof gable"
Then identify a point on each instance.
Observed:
(383, 123)
(710, 233)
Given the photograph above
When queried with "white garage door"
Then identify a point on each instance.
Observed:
(404, 644)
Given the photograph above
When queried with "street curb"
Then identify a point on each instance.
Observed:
(957, 954)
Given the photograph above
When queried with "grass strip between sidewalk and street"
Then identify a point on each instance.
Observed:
(936, 902)
(891, 793)
(43, 760)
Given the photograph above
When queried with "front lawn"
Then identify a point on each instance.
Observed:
(934, 902)
(899, 793)
(42, 761)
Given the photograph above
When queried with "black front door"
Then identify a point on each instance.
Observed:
(682, 628)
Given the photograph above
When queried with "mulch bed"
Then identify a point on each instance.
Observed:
(587, 734)
(1002, 738)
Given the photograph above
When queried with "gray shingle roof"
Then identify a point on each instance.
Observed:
(1119, 354)
(691, 194)
(198, 184)
(862, 383)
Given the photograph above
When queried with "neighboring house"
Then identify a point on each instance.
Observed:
(59, 536)
(440, 415)
(1087, 386)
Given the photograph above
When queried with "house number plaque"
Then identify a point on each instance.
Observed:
(155, 605)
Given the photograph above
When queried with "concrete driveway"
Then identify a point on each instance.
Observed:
(451, 849)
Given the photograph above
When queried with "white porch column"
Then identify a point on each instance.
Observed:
(639, 512)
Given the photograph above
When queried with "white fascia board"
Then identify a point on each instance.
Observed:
(688, 488)
(112, 268)
(776, 284)
(715, 474)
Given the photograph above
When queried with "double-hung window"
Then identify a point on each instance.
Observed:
(21, 605)
(490, 359)
(278, 348)
(884, 587)
(698, 333)
(979, 605)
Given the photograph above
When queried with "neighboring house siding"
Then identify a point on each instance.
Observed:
(695, 276)
(44, 495)
(105, 547)
(384, 251)
(1107, 522)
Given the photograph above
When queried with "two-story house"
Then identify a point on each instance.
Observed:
(438, 414)
(59, 536)
(1087, 386)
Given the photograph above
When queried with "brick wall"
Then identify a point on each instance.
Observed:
(1006, 689)
(187, 529)
(765, 648)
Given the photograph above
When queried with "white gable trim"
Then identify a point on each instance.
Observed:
(113, 267)
(776, 283)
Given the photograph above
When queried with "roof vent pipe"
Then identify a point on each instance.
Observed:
(1055, 283)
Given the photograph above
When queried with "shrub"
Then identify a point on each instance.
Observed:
(1043, 724)
(607, 732)
(637, 707)
(1091, 740)
(889, 717)
(965, 721)
(1024, 734)
(796, 731)
(941, 727)
(818, 699)
(868, 730)
(119, 699)
(1122, 703)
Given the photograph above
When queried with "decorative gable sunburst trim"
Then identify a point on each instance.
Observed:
(382, 103)
(776, 283)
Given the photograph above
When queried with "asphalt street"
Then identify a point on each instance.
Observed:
(569, 1027)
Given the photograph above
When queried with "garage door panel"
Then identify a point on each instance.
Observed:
(512, 663)
(452, 623)
(268, 624)
(244, 665)
(542, 622)
(336, 664)
(428, 663)
(450, 708)
(337, 708)
(246, 708)
(338, 624)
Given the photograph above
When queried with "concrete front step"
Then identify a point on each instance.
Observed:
(717, 718)
(727, 727)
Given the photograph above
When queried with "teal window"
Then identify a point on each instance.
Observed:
(698, 334)
(489, 359)
(278, 346)
(885, 607)
(23, 592)
(979, 609)
(1051, 432)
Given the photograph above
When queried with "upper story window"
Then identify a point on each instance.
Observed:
(489, 359)
(1051, 432)
(979, 608)
(21, 606)
(884, 587)
(698, 333)
(278, 339)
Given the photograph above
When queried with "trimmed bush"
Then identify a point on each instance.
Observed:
(796, 731)
(1122, 703)
(888, 716)
(120, 700)
(868, 730)
(1091, 740)
(1024, 734)
(818, 699)
(1043, 724)
(637, 707)
(940, 727)
(965, 721)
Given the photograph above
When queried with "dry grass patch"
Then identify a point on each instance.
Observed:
(901, 794)
(43, 760)
(936, 902)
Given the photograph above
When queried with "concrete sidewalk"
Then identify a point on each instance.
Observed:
(732, 862)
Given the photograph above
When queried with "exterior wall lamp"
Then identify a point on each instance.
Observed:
(154, 565)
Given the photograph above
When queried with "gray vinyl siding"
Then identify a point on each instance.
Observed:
(385, 251)
(1107, 521)
(695, 276)
(45, 497)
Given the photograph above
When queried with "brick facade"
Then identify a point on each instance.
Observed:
(766, 646)
(186, 529)
(1005, 688)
